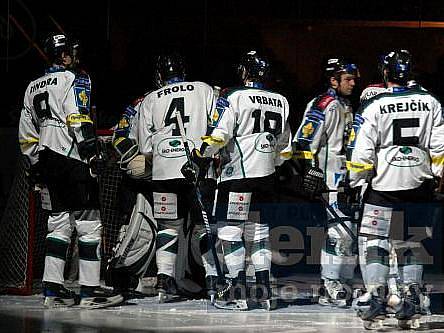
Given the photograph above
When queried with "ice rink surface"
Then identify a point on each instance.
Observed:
(26, 314)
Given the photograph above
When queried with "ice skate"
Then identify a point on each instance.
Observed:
(98, 297)
(57, 296)
(234, 295)
(376, 313)
(361, 301)
(166, 287)
(410, 312)
(333, 293)
(264, 295)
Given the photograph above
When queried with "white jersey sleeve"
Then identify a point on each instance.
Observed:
(400, 138)
(371, 91)
(159, 133)
(28, 135)
(323, 135)
(249, 127)
(55, 100)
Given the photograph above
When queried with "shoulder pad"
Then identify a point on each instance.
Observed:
(136, 101)
(323, 101)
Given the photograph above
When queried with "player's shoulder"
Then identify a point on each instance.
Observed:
(201, 84)
(325, 100)
(372, 90)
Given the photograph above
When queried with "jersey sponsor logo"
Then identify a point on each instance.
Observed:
(413, 105)
(165, 205)
(265, 143)
(173, 148)
(405, 157)
(175, 89)
(229, 171)
(41, 84)
(238, 206)
(266, 100)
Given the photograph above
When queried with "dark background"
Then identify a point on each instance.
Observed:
(120, 40)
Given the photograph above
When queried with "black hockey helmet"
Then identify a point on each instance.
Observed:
(253, 67)
(334, 67)
(398, 66)
(54, 45)
(169, 68)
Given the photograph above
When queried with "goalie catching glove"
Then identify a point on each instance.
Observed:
(313, 183)
(197, 168)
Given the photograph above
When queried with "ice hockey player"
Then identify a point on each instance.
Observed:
(399, 150)
(370, 91)
(135, 247)
(159, 136)
(249, 127)
(58, 104)
(320, 144)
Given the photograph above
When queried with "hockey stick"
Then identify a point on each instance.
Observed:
(211, 241)
(340, 221)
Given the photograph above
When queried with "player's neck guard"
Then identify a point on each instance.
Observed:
(253, 84)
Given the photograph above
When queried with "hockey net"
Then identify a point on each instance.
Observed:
(24, 225)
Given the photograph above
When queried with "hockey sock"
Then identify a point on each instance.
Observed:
(167, 246)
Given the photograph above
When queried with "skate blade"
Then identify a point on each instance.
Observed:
(55, 302)
(269, 304)
(373, 324)
(212, 298)
(409, 324)
(99, 302)
(163, 297)
(238, 305)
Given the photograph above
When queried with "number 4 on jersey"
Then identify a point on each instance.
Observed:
(170, 118)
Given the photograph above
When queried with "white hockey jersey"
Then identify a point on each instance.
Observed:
(48, 102)
(372, 90)
(158, 130)
(323, 135)
(401, 140)
(251, 130)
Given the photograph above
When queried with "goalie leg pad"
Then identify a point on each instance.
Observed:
(57, 243)
(136, 244)
(89, 228)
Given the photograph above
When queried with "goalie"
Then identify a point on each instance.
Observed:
(135, 246)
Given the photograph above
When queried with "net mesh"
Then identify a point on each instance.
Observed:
(24, 225)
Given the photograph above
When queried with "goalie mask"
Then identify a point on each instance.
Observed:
(396, 66)
(169, 69)
(253, 69)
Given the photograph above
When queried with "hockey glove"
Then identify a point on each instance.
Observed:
(198, 168)
(313, 183)
(348, 198)
(97, 165)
